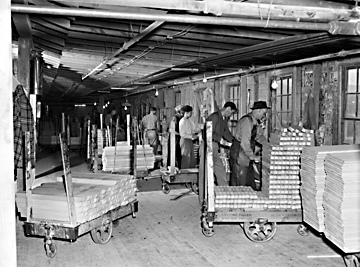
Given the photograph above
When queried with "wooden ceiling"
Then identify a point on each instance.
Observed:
(101, 47)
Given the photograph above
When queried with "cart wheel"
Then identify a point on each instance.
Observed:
(351, 261)
(102, 234)
(303, 230)
(166, 189)
(209, 232)
(195, 188)
(260, 231)
(50, 249)
(116, 223)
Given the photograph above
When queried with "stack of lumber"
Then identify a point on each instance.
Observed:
(93, 198)
(102, 140)
(342, 200)
(313, 181)
(124, 159)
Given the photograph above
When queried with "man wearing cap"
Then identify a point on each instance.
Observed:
(149, 123)
(248, 134)
(221, 131)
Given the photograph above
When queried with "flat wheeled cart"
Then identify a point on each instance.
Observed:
(100, 228)
(65, 209)
(173, 175)
(240, 204)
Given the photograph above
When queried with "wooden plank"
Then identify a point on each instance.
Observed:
(7, 192)
(68, 181)
(210, 169)
(172, 147)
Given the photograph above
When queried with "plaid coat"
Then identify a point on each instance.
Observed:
(23, 121)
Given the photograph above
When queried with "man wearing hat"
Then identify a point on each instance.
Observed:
(248, 134)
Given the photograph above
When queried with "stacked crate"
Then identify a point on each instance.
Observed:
(313, 178)
(280, 176)
(342, 200)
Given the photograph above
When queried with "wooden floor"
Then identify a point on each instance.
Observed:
(167, 232)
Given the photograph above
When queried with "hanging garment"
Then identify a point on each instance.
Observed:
(23, 121)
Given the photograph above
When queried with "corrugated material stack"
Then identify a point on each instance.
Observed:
(313, 181)
(93, 198)
(280, 176)
(124, 159)
(342, 200)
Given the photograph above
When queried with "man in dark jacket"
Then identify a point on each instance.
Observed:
(221, 131)
(248, 133)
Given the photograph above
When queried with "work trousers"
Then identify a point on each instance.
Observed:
(242, 174)
(152, 140)
(187, 153)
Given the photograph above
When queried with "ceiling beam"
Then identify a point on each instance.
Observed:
(125, 46)
(312, 11)
(190, 19)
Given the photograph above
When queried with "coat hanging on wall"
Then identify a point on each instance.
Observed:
(23, 121)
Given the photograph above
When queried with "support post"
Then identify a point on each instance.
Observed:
(7, 190)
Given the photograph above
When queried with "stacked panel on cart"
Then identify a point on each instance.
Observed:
(102, 140)
(342, 200)
(280, 176)
(93, 198)
(124, 158)
(313, 178)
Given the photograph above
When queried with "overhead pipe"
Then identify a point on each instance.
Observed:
(190, 19)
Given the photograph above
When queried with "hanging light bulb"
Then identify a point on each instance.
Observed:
(274, 84)
(156, 92)
(94, 103)
(125, 108)
(204, 79)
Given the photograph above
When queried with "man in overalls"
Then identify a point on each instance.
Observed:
(248, 134)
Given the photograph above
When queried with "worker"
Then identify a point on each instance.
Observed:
(110, 123)
(179, 113)
(248, 134)
(221, 131)
(188, 132)
(150, 128)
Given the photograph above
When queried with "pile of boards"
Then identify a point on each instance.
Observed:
(280, 175)
(122, 160)
(93, 197)
(331, 193)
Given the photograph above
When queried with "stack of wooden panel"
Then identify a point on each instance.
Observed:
(93, 198)
(342, 200)
(124, 159)
(313, 181)
(102, 140)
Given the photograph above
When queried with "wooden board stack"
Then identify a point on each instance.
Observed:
(102, 140)
(124, 160)
(93, 198)
(313, 181)
(342, 200)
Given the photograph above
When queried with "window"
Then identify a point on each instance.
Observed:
(282, 102)
(234, 96)
(351, 108)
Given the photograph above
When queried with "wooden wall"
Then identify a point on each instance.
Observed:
(316, 96)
